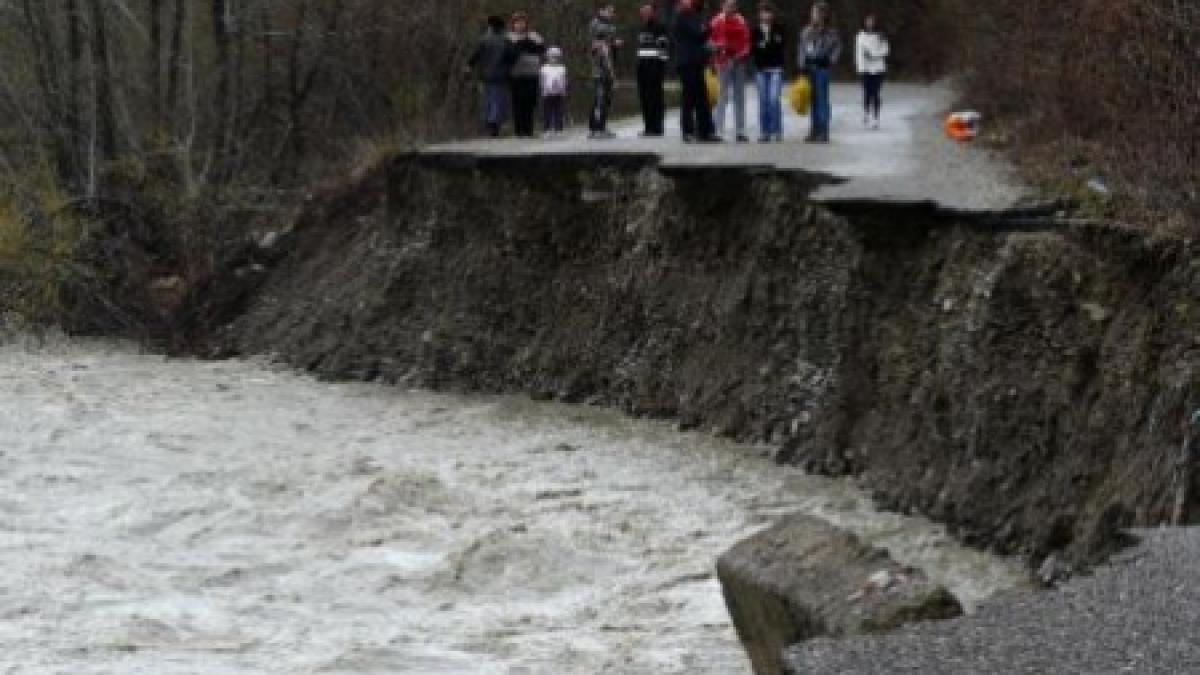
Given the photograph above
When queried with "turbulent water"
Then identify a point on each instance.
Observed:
(162, 516)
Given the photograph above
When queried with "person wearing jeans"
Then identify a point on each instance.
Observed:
(768, 52)
(731, 39)
(819, 50)
(488, 61)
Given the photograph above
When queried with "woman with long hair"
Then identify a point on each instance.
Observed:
(870, 57)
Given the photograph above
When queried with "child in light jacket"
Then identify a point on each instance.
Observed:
(554, 92)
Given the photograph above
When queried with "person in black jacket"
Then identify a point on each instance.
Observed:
(525, 52)
(691, 55)
(488, 62)
(653, 51)
(767, 43)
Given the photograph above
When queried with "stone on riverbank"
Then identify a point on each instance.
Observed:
(804, 578)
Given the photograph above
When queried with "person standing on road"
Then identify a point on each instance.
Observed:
(731, 40)
(525, 51)
(870, 56)
(768, 50)
(603, 34)
(691, 55)
(554, 93)
(488, 62)
(819, 50)
(653, 51)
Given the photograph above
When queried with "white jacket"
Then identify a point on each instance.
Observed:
(870, 53)
(554, 80)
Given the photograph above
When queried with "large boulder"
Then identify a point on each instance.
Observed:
(803, 578)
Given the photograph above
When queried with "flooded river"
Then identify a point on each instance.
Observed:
(171, 516)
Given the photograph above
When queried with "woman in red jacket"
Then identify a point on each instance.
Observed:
(730, 36)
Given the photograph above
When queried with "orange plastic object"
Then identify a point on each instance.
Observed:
(962, 126)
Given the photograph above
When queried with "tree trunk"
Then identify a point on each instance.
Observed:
(106, 132)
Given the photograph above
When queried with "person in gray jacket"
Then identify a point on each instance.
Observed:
(603, 34)
(819, 50)
(488, 62)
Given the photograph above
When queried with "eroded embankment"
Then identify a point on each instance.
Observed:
(1027, 385)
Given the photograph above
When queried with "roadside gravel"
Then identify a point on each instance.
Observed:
(1139, 614)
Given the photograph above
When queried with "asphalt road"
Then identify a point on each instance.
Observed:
(906, 160)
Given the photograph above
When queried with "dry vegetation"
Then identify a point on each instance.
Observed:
(1096, 90)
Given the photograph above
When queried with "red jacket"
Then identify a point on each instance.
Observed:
(730, 36)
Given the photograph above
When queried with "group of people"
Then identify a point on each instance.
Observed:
(519, 70)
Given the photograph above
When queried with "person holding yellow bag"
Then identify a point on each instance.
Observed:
(767, 48)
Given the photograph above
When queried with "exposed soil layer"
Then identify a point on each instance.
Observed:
(1026, 382)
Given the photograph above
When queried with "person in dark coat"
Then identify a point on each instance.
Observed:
(653, 52)
(488, 62)
(526, 49)
(690, 31)
(767, 48)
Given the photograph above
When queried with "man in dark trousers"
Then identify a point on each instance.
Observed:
(653, 51)
(691, 56)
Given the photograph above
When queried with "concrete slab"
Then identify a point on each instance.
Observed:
(906, 160)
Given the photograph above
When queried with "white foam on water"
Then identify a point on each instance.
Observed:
(172, 516)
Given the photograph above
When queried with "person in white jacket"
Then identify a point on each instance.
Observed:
(870, 55)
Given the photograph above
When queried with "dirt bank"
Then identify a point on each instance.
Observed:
(1026, 383)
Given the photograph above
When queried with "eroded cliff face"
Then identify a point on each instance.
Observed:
(1030, 386)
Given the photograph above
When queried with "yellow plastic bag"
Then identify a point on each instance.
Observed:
(799, 96)
(712, 85)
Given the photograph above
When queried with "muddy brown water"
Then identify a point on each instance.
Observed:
(174, 516)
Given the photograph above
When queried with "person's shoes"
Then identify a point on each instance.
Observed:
(823, 138)
(812, 138)
(875, 124)
(651, 134)
(741, 138)
(711, 139)
(778, 138)
(602, 135)
(688, 138)
(493, 130)
(764, 139)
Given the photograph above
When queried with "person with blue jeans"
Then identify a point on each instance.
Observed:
(488, 61)
(819, 50)
(767, 45)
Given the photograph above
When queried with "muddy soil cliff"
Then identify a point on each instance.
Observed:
(1027, 385)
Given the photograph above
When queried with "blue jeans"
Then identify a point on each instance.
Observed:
(822, 107)
(495, 104)
(732, 80)
(770, 102)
